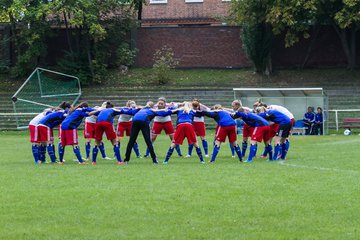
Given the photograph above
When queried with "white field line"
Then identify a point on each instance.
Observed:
(340, 142)
(316, 168)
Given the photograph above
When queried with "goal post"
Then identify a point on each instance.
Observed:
(42, 89)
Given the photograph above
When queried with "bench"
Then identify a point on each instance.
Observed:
(350, 123)
(298, 128)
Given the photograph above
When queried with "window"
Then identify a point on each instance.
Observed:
(158, 1)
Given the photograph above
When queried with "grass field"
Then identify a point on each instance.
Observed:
(312, 195)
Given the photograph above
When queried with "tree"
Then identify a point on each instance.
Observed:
(256, 32)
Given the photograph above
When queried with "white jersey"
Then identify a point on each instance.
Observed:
(91, 119)
(201, 119)
(281, 109)
(247, 110)
(35, 121)
(167, 118)
(125, 118)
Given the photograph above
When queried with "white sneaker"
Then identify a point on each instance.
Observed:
(233, 156)
(107, 158)
(187, 156)
(206, 156)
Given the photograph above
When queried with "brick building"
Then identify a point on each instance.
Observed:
(184, 12)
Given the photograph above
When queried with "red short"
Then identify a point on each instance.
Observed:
(223, 132)
(123, 127)
(33, 134)
(89, 130)
(184, 130)
(159, 126)
(45, 134)
(292, 124)
(273, 130)
(247, 131)
(69, 137)
(106, 127)
(199, 128)
(261, 133)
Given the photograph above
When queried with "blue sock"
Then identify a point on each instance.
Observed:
(178, 150)
(76, 150)
(252, 152)
(215, 153)
(136, 149)
(87, 149)
(244, 147)
(168, 154)
(61, 151)
(270, 151)
(42, 153)
(117, 152)
(35, 152)
(205, 146)
(198, 151)
(191, 146)
(102, 150)
(147, 152)
(95, 153)
(277, 151)
(50, 149)
(285, 149)
(265, 151)
(238, 152)
(232, 149)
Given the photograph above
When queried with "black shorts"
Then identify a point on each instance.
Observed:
(284, 130)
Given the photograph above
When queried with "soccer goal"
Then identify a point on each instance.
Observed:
(42, 89)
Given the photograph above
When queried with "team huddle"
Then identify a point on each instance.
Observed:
(262, 123)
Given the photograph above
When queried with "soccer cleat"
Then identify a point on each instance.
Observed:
(180, 155)
(93, 163)
(82, 163)
(233, 156)
(248, 161)
(206, 155)
(139, 156)
(263, 156)
(61, 163)
(187, 156)
(155, 162)
(202, 162)
(212, 162)
(165, 162)
(120, 162)
(107, 158)
(126, 162)
(145, 156)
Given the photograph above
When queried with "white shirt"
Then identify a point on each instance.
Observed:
(281, 109)
(35, 121)
(201, 119)
(167, 118)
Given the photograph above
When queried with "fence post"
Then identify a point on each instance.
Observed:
(336, 121)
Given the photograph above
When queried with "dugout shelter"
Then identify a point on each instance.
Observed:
(296, 100)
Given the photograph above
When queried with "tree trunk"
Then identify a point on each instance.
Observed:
(14, 39)
(348, 45)
(68, 35)
(315, 34)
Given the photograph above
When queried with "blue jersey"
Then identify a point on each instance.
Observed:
(319, 118)
(252, 119)
(223, 118)
(276, 117)
(108, 114)
(183, 117)
(309, 116)
(147, 114)
(53, 119)
(74, 119)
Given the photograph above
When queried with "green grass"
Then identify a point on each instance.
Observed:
(312, 195)
(137, 77)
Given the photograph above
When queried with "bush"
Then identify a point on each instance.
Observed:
(164, 61)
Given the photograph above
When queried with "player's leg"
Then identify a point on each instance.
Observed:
(135, 129)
